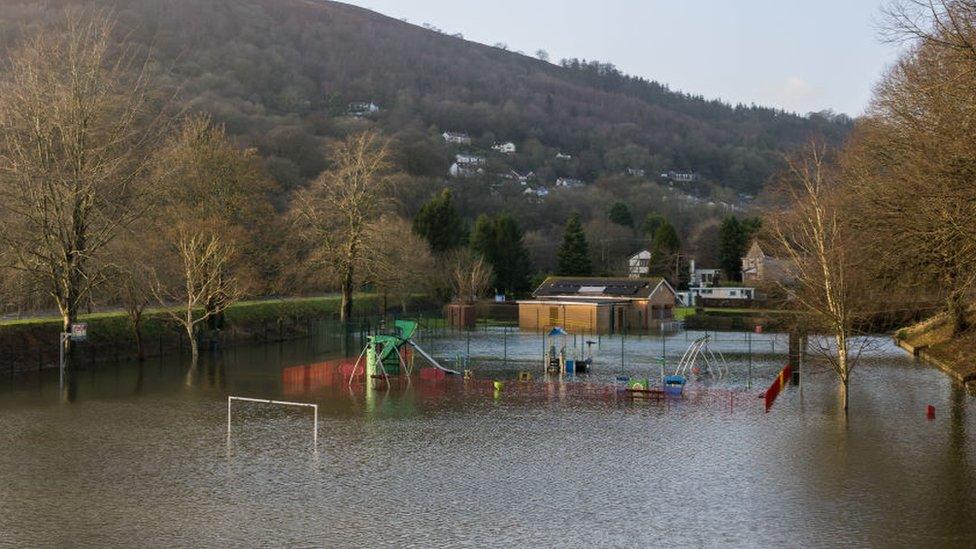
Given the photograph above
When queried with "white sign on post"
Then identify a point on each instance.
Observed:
(79, 331)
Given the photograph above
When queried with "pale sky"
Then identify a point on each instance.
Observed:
(799, 55)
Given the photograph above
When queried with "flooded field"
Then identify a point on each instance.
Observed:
(132, 455)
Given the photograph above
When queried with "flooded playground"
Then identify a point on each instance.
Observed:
(139, 455)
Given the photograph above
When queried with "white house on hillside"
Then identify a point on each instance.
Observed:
(505, 148)
(362, 108)
(699, 277)
(639, 264)
(569, 183)
(522, 179)
(681, 177)
(466, 165)
(458, 138)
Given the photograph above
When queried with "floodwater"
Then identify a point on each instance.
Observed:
(139, 456)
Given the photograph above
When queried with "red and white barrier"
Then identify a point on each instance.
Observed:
(781, 380)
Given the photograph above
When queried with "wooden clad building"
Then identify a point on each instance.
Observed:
(598, 305)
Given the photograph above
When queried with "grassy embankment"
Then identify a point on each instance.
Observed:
(933, 342)
(33, 341)
(116, 324)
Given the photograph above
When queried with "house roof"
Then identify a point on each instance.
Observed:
(755, 250)
(606, 287)
(642, 253)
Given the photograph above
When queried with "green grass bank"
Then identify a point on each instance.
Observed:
(32, 343)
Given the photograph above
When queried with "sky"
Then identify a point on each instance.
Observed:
(798, 55)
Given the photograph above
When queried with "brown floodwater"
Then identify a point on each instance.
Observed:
(131, 455)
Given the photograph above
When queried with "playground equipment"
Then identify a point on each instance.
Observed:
(558, 359)
(384, 357)
(699, 359)
(674, 385)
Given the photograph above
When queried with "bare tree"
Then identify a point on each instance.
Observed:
(76, 121)
(912, 165)
(825, 278)
(334, 213)
(470, 274)
(949, 24)
(401, 263)
(205, 288)
(130, 282)
(209, 199)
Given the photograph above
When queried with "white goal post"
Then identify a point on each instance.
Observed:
(314, 407)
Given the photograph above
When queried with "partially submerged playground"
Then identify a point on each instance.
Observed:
(676, 367)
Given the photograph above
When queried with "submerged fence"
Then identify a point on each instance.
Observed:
(35, 347)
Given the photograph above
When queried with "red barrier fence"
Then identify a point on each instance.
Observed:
(781, 380)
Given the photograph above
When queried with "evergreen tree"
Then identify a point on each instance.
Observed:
(440, 224)
(733, 239)
(500, 242)
(620, 214)
(483, 238)
(666, 239)
(513, 267)
(651, 224)
(574, 254)
(665, 252)
(751, 225)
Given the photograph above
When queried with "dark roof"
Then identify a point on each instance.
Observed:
(634, 288)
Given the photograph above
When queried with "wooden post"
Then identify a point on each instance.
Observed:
(797, 348)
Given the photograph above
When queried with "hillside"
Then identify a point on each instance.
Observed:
(277, 71)
(281, 74)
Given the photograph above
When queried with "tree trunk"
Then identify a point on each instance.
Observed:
(194, 345)
(843, 368)
(847, 390)
(956, 306)
(345, 310)
(137, 331)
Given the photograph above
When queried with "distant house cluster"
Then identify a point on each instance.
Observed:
(706, 283)
(471, 161)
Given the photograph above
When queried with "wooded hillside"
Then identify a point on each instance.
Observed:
(277, 72)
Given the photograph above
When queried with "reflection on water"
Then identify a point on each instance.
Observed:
(138, 455)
